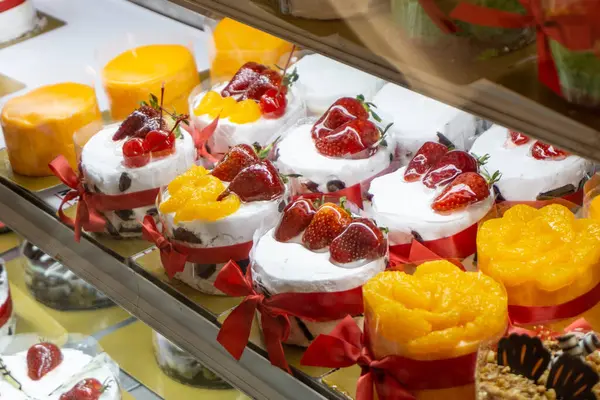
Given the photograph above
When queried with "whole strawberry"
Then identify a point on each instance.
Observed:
(236, 159)
(41, 359)
(354, 139)
(342, 111)
(242, 79)
(329, 221)
(448, 167)
(425, 158)
(296, 217)
(543, 151)
(268, 79)
(86, 389)
(135, 121)
(518, 138)
(256, 182)
(361, 240)
(468, 188)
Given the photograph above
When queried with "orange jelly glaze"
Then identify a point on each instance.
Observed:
(39, 126)
(133, 75)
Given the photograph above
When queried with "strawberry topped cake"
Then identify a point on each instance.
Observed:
(341, 150)
(531, 170)
(211, 216)
(437, 200)
(143, 153)
(317, 249)
(253, 107)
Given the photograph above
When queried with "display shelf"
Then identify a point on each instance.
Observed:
(503, 89)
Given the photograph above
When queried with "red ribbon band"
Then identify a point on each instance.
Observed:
(275, 312)
(6, 310)
(8, 4)
(353, 194)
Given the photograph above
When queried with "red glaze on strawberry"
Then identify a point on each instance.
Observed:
(134, 154)
(242, 79)
(449, 166)
(273, 104)
(41, 359)
(329, 221)
(468, 188)
(259, 181)
(518, 138)
(159, 141)
(354, 139)
(86, 389)
(361, 240)
(543, 151)
(342, 111)
(296, 218)
(427, 156)
(236, 159)
(267, 80)
(135, 123)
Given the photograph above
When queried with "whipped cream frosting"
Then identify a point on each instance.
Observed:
(418, 119)
(101, 368)
(322, 81)
(9, 392)
(297, 154)
(404, 207)
(524, 177)
(262, 131)
(17, 21)
(102, 163)
(291, 267)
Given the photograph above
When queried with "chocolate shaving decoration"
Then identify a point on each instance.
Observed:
(125, 215)
(204, 271)
(524, 355)
(445, 141)
(281, 206)
(312, 186)
(124, 182)
(556, 193)
(183, 235)
(499, 196)
(572, 379)
(417, 236)
(152, 211)
(335, 185)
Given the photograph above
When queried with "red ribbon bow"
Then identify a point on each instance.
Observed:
(394, 377)
(275, 311)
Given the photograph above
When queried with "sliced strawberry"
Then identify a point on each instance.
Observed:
(86, 389)
(296, 218)
(236, 159)
(466, 189)
(543, 151)
(448, 167)
(518, 138)
(135, 121)
(329, 221)
(350, 139)
(342, 111)
(361, 240)
(259, 181)
(427, 156)
(242, 79)
(267, 80)
(41, 359)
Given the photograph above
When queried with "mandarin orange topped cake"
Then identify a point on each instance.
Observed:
(39, 125)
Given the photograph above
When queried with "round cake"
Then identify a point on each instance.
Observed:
(17, 17)
(8, 320)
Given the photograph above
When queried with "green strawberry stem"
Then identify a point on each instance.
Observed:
(495, 177)
(481, 161)
(105, 385)
(368, 106)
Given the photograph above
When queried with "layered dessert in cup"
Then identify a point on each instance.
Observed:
(255, 106)
(437, 199)
(42, 370)
(338, 154)
(17, 18)
(181, 366)
(548, 261)
(212, 215)
(531, 169)
(8, 320)
(56, 286)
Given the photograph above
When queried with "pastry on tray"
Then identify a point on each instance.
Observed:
(531, 170)
(17, 18)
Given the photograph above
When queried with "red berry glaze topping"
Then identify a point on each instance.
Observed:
(543, 151)
(518, 138)
(354, 139)
(242, 79)
(134, 154)
(267, 80)
(342, 111)
(273, 103)
(361, 240)
(449, 166)
(236, 159)
(296, 217)
(159, 141)
(259, 181)
(328, 222)
(41, 359)
(466, 189)
(86, 389)
(427, 156)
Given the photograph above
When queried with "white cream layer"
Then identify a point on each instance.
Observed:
(322, 81)
(291, 267)
(9, 392)
(417, 119)
(403, 207)
(524, 177)
(102, 163)
(17, 21)
(298, 155)
(101, 368)
(261, 131)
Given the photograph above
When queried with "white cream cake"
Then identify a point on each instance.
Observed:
(262, 131)
(418, 119)
(8, 328)
(323, 80)
(17, 20)
(524, 177)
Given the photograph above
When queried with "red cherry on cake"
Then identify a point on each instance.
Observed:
(236, 159)
(354, 139)
(41, 359)
(86, 389)
(134, 154)
(273, 104)
(159, 143)
(518, 138)
(448, 167)
(361, 240)
(329, 221)
(256, 182)
(543, 151)
(342, 111)
(466, 189)
(296, 218)
(425, 158)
